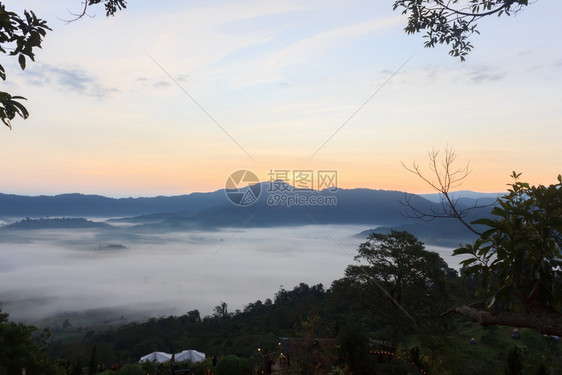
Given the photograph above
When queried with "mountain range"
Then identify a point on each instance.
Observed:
(381, 209)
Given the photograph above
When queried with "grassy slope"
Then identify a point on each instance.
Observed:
(488, 355)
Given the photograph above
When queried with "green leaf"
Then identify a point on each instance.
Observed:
(485, 221)
(21, 60)
(23, 112)
(466, 263)
(463, 250)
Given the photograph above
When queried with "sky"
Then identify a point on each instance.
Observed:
(171, 97)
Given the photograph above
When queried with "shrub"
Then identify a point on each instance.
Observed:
(130, 369)
(233, 365)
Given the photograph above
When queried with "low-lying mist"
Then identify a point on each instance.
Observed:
(48, 272)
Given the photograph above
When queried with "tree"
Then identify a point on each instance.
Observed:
(452, 22)
(519, 260)
(400, 279)
(76, 368)
(233, 365)
(24, 347)
(93, 364)
(221, 311)
(353, 348)
(310, 353)
(194, 316)
(396, 261)
(21, 36)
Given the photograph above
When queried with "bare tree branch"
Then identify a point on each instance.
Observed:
(78, 16)
(460, 12)
(445, 178)
(111, 7)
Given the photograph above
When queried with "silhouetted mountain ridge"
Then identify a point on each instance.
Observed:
(384, 209)
(76, 204)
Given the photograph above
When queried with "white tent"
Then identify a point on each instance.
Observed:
(192, 355)
(159, 357)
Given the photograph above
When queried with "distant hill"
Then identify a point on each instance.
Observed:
(214, 209)
(464, 195)
(445, 231)
(98, 206)
(440, 231)
(353, 206)
(111, 246)
(56, 223)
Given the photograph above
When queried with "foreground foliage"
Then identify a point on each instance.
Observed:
(25, 347)
(519, 260)
(21, 36)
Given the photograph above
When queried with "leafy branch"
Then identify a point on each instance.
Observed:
(519, 257)
(20, 36)
(452, 22)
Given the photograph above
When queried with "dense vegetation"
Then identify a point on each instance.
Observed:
(363, 325)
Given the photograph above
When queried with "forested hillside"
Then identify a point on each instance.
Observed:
(362, 318)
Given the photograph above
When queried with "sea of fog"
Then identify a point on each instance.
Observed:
(48, 272)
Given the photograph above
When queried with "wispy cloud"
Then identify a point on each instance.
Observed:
(269, 67)
(74, 79)
(475, 74)
(160, 84)
(480, 74)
